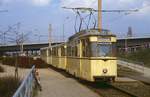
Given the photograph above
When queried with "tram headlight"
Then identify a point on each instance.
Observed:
(105, 70)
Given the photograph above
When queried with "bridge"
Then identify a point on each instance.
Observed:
(132, 44)
(26, 47)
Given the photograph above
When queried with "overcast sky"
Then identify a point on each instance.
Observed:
(35, 15)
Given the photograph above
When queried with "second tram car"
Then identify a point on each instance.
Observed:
(88, 55)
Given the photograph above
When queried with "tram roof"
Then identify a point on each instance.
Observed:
(92, 32)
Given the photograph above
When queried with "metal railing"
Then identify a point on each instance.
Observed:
(27, 86)
(138, 66)
(131, 61)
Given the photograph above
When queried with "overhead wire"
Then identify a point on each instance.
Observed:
(127, 14)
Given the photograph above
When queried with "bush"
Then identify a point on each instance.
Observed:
(24, 62)
(1, 58)
(8, 86)
(1, 69)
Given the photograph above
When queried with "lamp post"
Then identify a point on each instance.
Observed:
(64, 28)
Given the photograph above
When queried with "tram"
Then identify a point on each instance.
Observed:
(88, 54)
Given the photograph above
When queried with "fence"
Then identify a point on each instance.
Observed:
(27, 86)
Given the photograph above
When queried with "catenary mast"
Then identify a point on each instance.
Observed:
(100, 15)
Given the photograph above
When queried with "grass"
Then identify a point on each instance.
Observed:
(140, 56)
(8, 86)
(24, 62)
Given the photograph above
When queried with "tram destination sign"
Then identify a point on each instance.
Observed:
(104, 39)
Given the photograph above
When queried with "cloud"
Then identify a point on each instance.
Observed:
(41, 2)
(107, 4)
(145, 7)
(79, 3)
(144, 10)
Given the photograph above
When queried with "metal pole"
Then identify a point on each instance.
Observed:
(22, 44)
(99, 15)
(50, 38)
(126, 45)
(63, 32)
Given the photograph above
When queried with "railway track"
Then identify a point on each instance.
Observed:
(120, 89)
(107, 90)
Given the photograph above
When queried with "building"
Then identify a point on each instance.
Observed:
(132, 44)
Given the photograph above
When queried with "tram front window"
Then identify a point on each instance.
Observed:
(104, 50)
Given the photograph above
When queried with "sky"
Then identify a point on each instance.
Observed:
(34, 17)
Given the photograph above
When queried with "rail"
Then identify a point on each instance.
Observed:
(27, 86)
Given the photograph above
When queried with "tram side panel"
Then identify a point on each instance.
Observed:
(58, 58)
(63, 62)
(73, 66)
(44, 54)
(86, 69)
(55, 58)
(73, 60)
(63, 58)
(50, 56)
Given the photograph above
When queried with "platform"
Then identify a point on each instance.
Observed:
(55, 84)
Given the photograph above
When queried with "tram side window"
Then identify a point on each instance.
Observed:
(49, 51)
(63, 51)
(86, 48)
(44, 52)
(72, 51)
(114, 50)
(55, 51)
(94, 49)
(68, 51)
(76, 51)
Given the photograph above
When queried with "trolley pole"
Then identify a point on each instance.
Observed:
(100, 15)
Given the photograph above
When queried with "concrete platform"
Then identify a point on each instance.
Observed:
(124, 79)
(55, 84)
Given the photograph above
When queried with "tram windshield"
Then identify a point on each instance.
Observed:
(103, 49)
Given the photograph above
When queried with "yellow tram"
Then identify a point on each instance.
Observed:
(88, 55)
